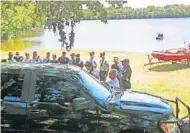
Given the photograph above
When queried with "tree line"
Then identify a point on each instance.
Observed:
(170, 11)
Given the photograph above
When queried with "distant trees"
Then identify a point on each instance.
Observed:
(171, 11)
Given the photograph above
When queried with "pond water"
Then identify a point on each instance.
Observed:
(137, 35)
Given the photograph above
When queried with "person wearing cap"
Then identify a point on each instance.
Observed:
(63, 59)
(36, 58)
(92, 59)
(73, 60)
(104, 67)
(113, 78)
(79, 62)
(27, 58)
(93, 71)
(47, 59)
(10, 57)
(118, 67)
(126, 75)
(17, 57)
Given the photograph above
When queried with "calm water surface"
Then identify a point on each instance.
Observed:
(121, 35)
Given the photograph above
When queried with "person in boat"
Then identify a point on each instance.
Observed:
(54, 60)
(79, 62)
(10, 57)
(27, 58)
(47, 59)
(113, 78)
(126, 75)
(104, 67)
(36, 58)
(17, 57)
(93, 71)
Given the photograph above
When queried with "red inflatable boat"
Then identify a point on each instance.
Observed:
(172, 54)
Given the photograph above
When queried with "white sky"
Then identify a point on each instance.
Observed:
(145, 3)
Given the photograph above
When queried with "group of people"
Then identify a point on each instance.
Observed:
(120, 73)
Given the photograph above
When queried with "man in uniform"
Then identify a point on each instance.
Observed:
(126, 75)
(104, 67)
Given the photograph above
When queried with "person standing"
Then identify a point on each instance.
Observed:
(10, 57)
(126, 75)
(104, 67)
(63, 59)
(93, 71)
(113, 78)
(18, 58)
(36, 58)
(73, 60)
(118, 67)
(47, 59)
(27, 58)
(92, 59)
(79, 62)
(54, 60)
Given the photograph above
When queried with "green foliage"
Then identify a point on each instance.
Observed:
(172, 11)
(18, 16)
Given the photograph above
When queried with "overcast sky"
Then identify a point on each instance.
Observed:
(145, 3)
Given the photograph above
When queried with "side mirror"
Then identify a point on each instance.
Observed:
(80, 103)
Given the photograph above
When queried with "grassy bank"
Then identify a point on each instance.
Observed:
(166, 80)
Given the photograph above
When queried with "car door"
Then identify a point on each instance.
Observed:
(14, 88)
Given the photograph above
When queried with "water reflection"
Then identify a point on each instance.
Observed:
(20, 44)
(17, 44)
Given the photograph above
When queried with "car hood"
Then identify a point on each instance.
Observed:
(143, 104)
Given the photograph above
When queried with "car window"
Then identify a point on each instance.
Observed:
(55, 89)
(11, 86)
(94, 87)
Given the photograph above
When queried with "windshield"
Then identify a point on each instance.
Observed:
(94, 87)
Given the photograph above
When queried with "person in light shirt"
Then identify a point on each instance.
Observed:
(36, 58)
(27, 58)
(104, 67)
(113, 78)
(47, 59)
(92, 59)
(93, 71)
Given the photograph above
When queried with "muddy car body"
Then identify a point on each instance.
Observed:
(84, 104)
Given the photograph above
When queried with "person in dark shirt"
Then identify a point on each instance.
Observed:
(126, 75)
(63, 59)
(79, 62)
(54, 60)
(10, 57)
(17, 57)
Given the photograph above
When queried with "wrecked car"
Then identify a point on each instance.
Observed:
(80, 102)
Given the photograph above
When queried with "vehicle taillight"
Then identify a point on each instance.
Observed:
(165, 128)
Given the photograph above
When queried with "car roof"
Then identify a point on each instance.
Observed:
(45, 67)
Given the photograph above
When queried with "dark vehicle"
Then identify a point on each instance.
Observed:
(74, 101)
